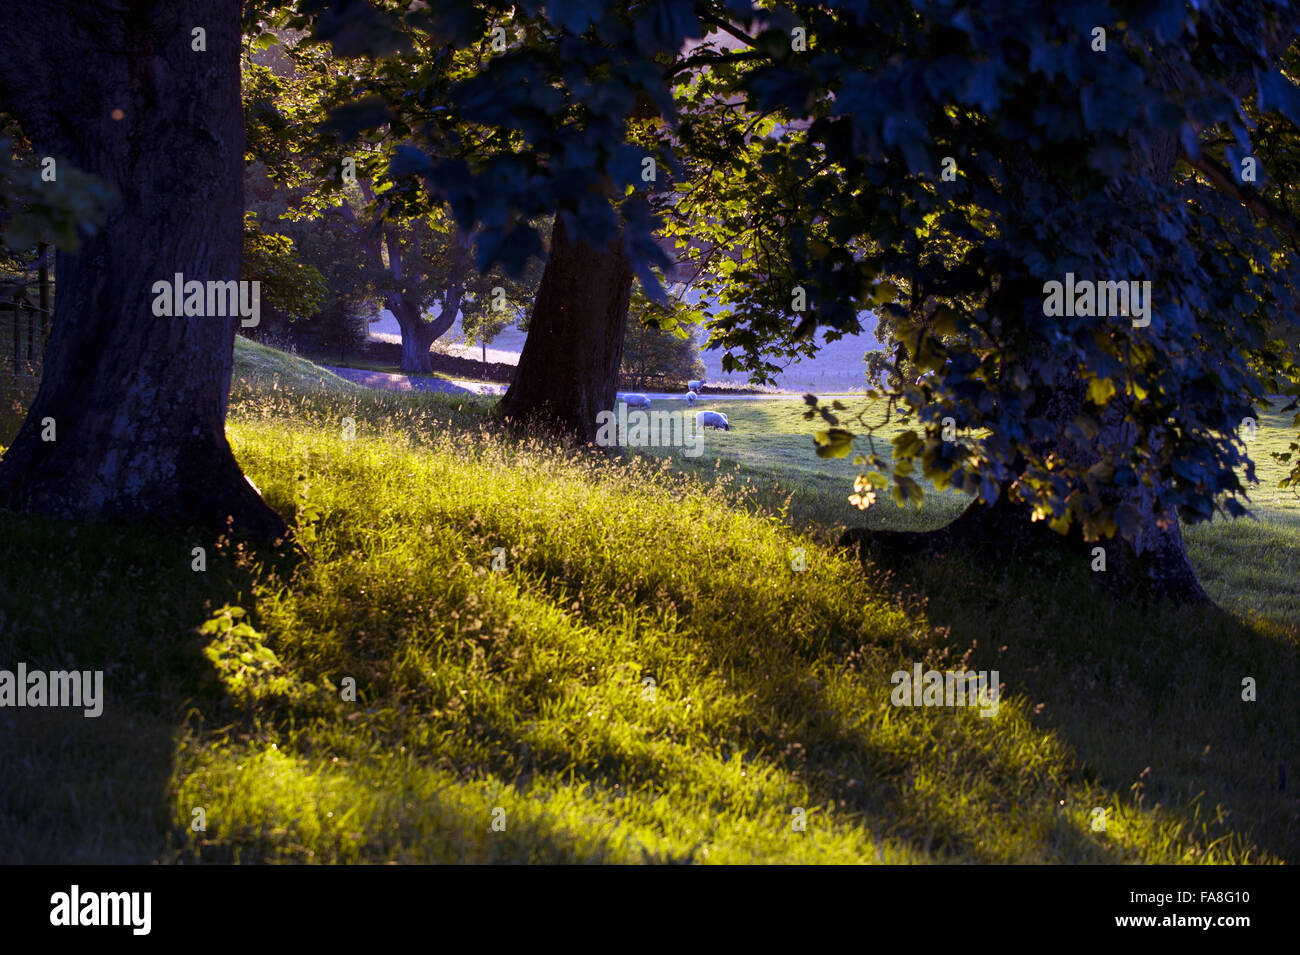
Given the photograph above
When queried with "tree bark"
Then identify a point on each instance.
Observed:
(138, 402)
(568, 370)
(417, 337)
(1003, 532)
(405, 264)
(1153, 566)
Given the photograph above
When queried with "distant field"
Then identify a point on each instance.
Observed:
(838, 366)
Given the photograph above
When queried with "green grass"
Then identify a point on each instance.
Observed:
(526, 690)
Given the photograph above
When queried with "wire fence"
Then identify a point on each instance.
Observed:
(24, 323)
(24, 330)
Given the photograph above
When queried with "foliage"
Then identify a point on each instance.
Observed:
(292, 288)
(668, 356)
(1067, 160)
(304, 118)
(482, 321)
(825, 184)
(248, 669)
(33, 210)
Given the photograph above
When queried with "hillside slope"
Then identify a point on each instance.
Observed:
(492, 651)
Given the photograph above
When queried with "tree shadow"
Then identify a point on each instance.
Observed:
(125, 602)
(1148, 696)
(1144, 703)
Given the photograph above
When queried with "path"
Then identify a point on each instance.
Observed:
(457, 386)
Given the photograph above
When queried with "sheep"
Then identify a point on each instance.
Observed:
(712, 419)
(695, 386)
(690, 397)
(636, 401)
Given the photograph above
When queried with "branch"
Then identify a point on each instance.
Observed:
(728, 28)
(1222, 180)
(705, 59)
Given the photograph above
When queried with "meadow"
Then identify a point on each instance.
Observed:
(489, 649)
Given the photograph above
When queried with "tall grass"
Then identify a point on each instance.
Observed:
(496, 650)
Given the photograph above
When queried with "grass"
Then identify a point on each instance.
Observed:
(367, 364)
(644, 677)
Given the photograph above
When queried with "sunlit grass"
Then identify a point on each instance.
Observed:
(645, 678)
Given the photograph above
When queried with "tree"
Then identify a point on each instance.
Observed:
(560, 122)
(576, 333)
(328, 128)
(669, 356)
(321, 292)
(942, 165)
(497, 302)
(351, 300)
(129, 419)
(291, 290)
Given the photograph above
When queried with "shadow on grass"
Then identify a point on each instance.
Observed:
(1145, 704)
(77, 596)
(1149, 698)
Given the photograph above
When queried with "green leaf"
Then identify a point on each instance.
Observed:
(905, 489)
(945, 320)
(833, 443)
(1100, 390)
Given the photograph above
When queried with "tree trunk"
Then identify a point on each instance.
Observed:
(1003, 532)
(1156, 565)
(417, 336)
(568, 370)
(137, 403)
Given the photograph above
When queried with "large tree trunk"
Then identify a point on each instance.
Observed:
(568, 370)
(1154, 565)
(137, 402)
(1003, 532)
(417, 336)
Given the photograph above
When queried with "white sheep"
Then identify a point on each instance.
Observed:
(690, 397)
(712, 419)
(636, 401)
(695, 386)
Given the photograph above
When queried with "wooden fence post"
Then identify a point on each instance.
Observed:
(43, 279)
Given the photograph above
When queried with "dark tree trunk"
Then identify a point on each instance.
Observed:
(568, 370)
(1004, 532)
(138, 402)
(417, 337)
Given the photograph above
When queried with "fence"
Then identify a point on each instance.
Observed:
(24, 329)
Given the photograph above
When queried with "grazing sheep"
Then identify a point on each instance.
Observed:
(695, 386)
(690, 397)
(636, 401)
(712, 419)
